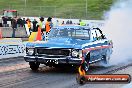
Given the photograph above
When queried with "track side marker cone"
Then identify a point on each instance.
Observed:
(39, 36)
(0, 34)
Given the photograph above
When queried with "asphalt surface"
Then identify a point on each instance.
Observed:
(15, 73)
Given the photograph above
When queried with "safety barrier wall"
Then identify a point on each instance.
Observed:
(11, 48)
(19, 33)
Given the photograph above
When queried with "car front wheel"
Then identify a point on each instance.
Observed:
(34, 66)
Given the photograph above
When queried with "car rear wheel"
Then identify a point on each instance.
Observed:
(34, 66)
(106, 59)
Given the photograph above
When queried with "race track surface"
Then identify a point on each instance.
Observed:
(15, 73)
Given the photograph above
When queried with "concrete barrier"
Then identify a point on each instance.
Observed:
(11, 48)
(19, 33)
(10, 40)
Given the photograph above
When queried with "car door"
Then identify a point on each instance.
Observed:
(95, 47)
(100, 43)
(104, 42)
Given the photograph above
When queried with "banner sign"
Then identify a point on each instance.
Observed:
(11, 48)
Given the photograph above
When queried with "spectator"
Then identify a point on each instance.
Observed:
(40, 24)
(29, 24)
(0, 22)
(63, 22)
(14, 26)
(68, 22)
(48, 25)
(82, 23)
(23, 22)
(19, 22)
(4, 21)
(34, 25)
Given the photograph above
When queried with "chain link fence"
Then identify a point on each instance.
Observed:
(53, 11)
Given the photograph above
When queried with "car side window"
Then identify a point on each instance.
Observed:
(99, 35)
(86, 33)
(102, 35)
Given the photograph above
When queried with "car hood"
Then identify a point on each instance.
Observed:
(59, 43)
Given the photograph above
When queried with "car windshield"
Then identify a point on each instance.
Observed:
(78, 33)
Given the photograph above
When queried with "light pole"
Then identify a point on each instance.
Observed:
(86, 9)
(25, 3)
(25, 7)
(55, 11)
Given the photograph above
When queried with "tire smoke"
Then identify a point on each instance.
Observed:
(118, 28)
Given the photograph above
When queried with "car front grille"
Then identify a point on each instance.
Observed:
(64, 52)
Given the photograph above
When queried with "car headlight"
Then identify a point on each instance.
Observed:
(77, 53)
(30, 51)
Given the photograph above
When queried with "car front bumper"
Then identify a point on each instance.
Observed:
(64, 60)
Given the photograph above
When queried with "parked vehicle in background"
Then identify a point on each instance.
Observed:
(7, 17)
(69, 45)
(10, 13)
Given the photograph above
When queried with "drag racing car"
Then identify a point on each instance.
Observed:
(69, 45)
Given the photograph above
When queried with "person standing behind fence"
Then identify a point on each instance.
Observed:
(48, 25)
(29, 24)
(40, 24)
(0, 22)
(82, 23)
(4, 21)
(19, 22)
(23, 22)
(62, 23)
(70, 22)
(34, 25)
(14, 26)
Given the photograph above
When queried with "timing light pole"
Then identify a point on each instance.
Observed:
(86, 9)
(25, 7)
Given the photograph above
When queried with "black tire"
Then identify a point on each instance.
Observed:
(34, 66)
(106, 59)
